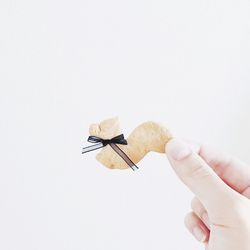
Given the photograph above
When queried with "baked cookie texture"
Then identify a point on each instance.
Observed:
(148, 136)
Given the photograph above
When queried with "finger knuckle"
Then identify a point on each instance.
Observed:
(197, 172)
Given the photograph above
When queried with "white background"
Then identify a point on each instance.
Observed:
(66, 64)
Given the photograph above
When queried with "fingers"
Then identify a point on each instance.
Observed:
(200, 211)
(196, 227)
(234, 172)
(197, 175)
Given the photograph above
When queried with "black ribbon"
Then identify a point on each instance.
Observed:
(100, 143)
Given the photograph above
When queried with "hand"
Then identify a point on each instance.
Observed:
(221, 185)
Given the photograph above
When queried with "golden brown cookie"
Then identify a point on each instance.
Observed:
(149, 136)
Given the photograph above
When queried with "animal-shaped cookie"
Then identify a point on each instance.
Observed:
(148, 136)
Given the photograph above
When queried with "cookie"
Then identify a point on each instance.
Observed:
(148, 136)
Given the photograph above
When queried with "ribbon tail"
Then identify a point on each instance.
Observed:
(123, 156)
(92, 148)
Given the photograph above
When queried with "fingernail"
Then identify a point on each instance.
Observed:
(178, 149)
(199, 234)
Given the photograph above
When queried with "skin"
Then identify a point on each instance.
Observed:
(220, 216)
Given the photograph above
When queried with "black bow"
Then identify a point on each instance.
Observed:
(119, 139)
(112, 142)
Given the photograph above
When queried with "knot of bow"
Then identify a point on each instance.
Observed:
(119, 139)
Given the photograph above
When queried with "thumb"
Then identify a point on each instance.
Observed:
(198, 176)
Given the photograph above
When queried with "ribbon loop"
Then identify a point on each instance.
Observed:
(94, 139)
(119, 139)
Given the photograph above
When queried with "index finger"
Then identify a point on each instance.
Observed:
(231, 170)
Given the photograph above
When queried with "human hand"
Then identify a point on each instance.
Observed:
(221, 185)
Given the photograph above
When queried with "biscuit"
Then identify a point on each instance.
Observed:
(148, 136)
